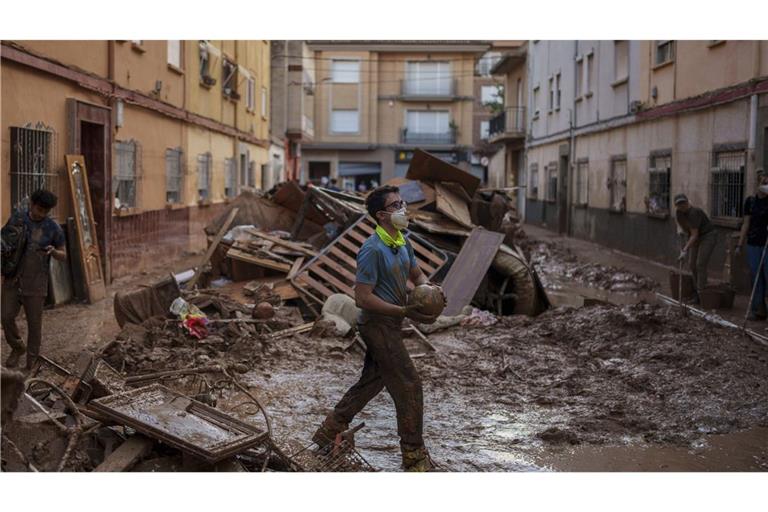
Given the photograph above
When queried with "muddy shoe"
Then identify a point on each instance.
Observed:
(418, 460)
(13, 359)
(326, 434)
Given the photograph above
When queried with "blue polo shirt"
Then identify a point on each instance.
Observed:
(385, 268)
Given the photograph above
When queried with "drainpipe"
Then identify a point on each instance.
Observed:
(752, 133)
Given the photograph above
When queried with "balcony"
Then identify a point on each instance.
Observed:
(508, 125)
(428, 139)
(428, 90)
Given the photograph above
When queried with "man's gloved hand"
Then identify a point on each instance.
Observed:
(682, 256)
(412, 311)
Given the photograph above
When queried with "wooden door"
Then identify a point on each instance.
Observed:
(90, 256)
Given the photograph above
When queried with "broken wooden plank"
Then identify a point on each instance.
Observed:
(452, 205)
(211, 248)
(285, 243)
(469, 269)
(293, 330)
(425, 166)
(298, 262)
(246, 257)
(126, 455)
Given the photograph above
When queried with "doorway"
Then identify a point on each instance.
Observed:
(318, 170)
(90, 135)
(562, 196)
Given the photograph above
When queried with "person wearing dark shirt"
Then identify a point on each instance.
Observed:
(334, 185)
(701, 242)
(754, 230)
(28, 285)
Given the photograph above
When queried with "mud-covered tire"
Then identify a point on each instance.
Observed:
(509, 263)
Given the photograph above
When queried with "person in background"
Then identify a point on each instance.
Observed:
(754, 229)
(28, 286)
(702, 239)
(334, 185)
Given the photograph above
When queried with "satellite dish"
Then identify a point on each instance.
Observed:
(484, 161)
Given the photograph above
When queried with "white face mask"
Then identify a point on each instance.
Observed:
(763, 189)
(399, 219)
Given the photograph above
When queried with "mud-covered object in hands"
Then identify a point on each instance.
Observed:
(14, 243)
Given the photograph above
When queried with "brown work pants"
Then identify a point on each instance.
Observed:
(387, 365)
(701, 253)
(11, 302)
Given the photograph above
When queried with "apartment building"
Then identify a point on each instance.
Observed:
(376, 101)
(170, 131)
(617, 128)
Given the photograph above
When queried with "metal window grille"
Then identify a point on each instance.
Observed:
(230, 177)
(204, 164)
(617, 183)
(727, 183)
(552, 182)
(173, 175)
(534, 185)
(659, 171)
(125, 183)
(582, 182)
(33, 148)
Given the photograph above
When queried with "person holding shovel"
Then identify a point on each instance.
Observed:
(702, 239)
(754, 229)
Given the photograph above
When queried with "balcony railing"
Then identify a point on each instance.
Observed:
(510, 122)
(410, 137)
(443, 88)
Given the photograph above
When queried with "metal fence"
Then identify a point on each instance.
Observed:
(410, 137)
(659, 171)
(511, 120)
(33, 150)
(727, 183)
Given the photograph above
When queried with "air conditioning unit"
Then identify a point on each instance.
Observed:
(635, 107)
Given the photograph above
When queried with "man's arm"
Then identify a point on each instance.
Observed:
(416, 276)
(365, 299)
(743, 231)
(692, 239)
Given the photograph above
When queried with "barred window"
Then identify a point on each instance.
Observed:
(204, 164)
(582, 181)
(33, 149)
(230, 177)
(125, 183)
(727, 183)
(617, 184)
(533, 186)
(552, 182)
(173, 176)
(659, 171)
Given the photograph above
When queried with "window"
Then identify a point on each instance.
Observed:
(137, 42)
(557, 91)
(533, 186)
(204, 165)
(174, 53)
(485, 128)
(229, 79)
(620, 60)
(230, 177)
(428, 126)
(579, 77)
(345, 121)
(727, 183)
(589, 72)
(173, 176)
(250, 96)
(124, 184)
(486, 63)
(33, 149)
(617, 184)
(582, 181)
(205, 64)
(536, 102)
(659, 170)
(665, 52)
(428, 78)
(491, 94)
(264, 102)
(345, 71)
(551, 100)
(552, 182)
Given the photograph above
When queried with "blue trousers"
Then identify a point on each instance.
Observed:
(754, 254)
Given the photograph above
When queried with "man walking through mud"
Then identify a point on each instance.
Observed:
(702, 239)
(27, 284)
(755, 231)
(385, 263)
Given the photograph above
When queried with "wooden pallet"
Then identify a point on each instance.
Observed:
(333, 270)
